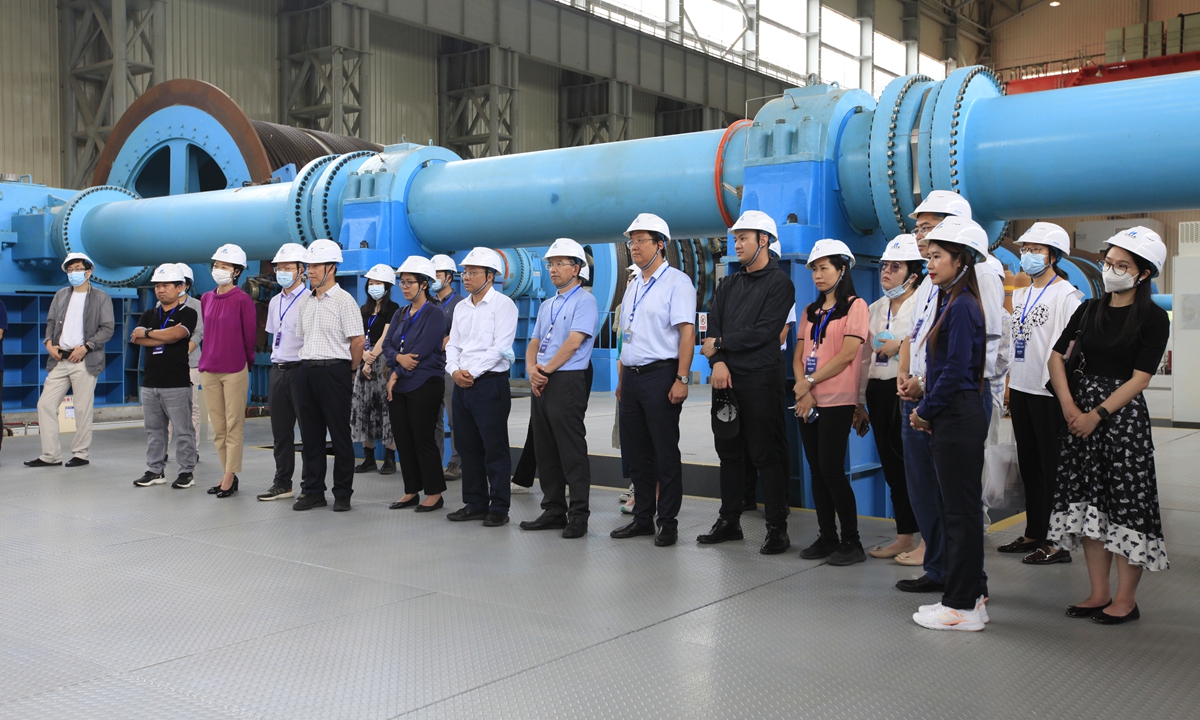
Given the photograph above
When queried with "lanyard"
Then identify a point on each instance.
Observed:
(283, 312)
(163, 325)
(412, 321)
(818, 329)
(371, 320)
(1025, 310)
(449, 297)
(637, 301)
(920, 320)
(888, 327)
(554, 315)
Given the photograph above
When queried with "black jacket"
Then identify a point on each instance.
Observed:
(748, 312)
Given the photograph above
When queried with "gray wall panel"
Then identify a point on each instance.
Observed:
(403, 67)
(30, 139)
(538, 106)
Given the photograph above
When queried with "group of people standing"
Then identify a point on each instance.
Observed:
(924, 366)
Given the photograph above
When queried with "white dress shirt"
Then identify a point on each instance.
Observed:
(658, 307)
(482, 335)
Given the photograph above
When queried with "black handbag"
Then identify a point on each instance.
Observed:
(1073, 358)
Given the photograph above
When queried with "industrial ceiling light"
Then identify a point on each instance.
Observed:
(1056, 3)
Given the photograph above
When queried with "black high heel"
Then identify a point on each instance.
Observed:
(232, 489)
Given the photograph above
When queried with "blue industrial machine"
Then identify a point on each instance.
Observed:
(185, 171)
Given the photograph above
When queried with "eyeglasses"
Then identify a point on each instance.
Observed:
(1033, 251)
(473, 273)
(893, 266)
(631, 243)
(559, 264)
(409, 283)
(1120, 270)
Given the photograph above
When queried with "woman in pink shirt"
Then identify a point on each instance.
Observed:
(828, 367)
(230, 331)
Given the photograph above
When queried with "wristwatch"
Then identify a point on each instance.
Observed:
(810, 381)
(1102, 412)
(686, 380)
(718, 345)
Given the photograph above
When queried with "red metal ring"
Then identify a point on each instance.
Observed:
(738, 125)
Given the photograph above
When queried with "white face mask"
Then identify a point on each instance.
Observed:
(1115, 283)
(222, 277)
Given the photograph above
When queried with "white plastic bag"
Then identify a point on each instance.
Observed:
(1001, 475)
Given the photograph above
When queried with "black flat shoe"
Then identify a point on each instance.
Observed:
(38, 462)
(922, 584)
(1080, 613)
(401, 504)
(466, 514)
(441, 503)
(77, 462)
(1021, 546)
(1105, 619)
(1047, 556)
(232, 489)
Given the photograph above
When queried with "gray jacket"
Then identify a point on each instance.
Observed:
(98, 325)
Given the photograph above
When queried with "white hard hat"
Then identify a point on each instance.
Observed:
(1143, 242)
(383, 273)
(443, 263)
(1049, 234)
(585, 272)
(943, 202)
(231, 254)
(650, 223)
(566, 247)
(323, 250)
(828, 248)
(776, 247)
(962, 231)
(484, 257)
(72, 257)
(186, 270)
(755, 220)
(290, 252)
(902, 248)
(416, 265)
(167, 273)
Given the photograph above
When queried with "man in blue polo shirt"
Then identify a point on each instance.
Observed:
(556, 361)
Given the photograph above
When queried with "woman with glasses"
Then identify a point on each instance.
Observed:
(369, 419)
(1106, 494)
(1040, 312)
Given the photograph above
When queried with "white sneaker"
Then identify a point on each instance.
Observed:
(941, 617)
(980, 607)
(516, 489)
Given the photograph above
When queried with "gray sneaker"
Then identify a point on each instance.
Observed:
(453, 472)
(276, 493)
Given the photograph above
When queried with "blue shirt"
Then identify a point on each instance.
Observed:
(956, 364)
(421, 335)
(663, 303)
(561, 315)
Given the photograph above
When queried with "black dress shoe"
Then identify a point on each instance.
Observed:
(633, 529)
(367, 465)
(922, 584)
(1020, 546)
(822, 548)
(722, 531)
(1105, 619)
(401, 504)
(231, 491)
(77, 462)
(38, 462)
(308, 502)
(1047, 556)
(495, 519)
(1080, 613)
(666, 537)
(575, 529)
(777, 541)
(441, 503)
(465, 514)
(341, 504)
(545, 522)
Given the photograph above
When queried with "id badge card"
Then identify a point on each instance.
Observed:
(278, 339)
(881, 359)
(545, 344)
(810, 364)
(627, 337)
(158, 350)
(917, 330)
(1019, 350)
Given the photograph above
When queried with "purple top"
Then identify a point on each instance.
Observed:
(230, 330)
(421, 335)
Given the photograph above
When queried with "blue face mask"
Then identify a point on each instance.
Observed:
(375, 291)
(896, 291)
(76, 278)
(1033, 264)
(285, 278)
(437, 285)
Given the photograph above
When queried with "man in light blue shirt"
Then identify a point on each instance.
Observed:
(556, 360)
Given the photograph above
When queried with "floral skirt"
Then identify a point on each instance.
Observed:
(369, 417)
(1105, 488)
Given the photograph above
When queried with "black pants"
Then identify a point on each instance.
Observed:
(759, 440)
(959, 432)
(323, 397)
(650, 441)
(1038, 425)
(527, 465)
(750, 480)
(556, 417)
(414, 416)
(825, 442)
(1, 403)
(481, 422)
(883, 405)
(283, 402)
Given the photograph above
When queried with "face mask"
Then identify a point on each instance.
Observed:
(897, 291)
(1033, 264)
(1115, 283)
(285, 278)
(222, 277)
(437, 285)
(375, 291)
(76, 278)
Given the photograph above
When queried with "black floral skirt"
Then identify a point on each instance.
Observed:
(1105, 488)
(369, 417)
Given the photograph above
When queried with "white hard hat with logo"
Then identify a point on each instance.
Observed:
(443, 263)
(323, 251)
(417, 265)
(167, 273)
(1143, 242)
(484, 257)
(962, 231)
(775, 248)
(231, 254)
(943, 202)
(902, 248)
(72, 257)
(186, 270)
(585, 272)
(829, 248)
(755, 220)
(1048, 234)
(290, 252)
(649, 222)
(383, 273)
(566, 247)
